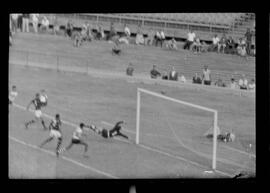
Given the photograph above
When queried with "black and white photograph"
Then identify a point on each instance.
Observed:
(132, 96)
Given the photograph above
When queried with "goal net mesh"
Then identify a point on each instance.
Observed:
(177, 129)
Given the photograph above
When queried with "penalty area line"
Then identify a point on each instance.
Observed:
(63, 157)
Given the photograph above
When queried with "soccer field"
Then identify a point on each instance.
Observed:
(104, 101)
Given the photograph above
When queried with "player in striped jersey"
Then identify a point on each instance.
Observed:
(77, 139)
(55, 132)
(115, 131)
(12, 95)
(38, 114)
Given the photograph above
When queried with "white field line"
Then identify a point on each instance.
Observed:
(143, 146)
(63, 157)
(68, 159)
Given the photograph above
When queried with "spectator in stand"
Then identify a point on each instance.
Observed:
(112, 32)
(220, 83)
(241, 48)
(34, 17)
(56, 27)
(157, 38)
(196, 79)
(222, 44)
(116, 50)
(248, 36)
(100, 33)
(251, 86)
(150, 37)
(173, 75)
(190, 39)
(25, 22)
(206, 76)
(139, 38)
(171, 44)
(165, 76)
(127, 31)
(130, 69)
(14, 22)
(162, 38)
(183, 79)
(215, 42)
(154, 73)
(196, 46)
(10, 38)
(243, 82)
(20, 21)
(230, 46)
(77, 39)
(44, 24)
(233, 84)
(69, 28)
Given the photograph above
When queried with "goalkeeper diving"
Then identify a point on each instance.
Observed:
(109, 133)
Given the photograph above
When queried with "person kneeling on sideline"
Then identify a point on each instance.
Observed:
(109, 133)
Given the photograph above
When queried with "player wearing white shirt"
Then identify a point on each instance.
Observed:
(77, 139)
(43, 98)
(12, 95)
(55, 132)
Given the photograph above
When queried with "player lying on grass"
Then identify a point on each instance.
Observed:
(227, 137)
(55, 132)
(12, 95)
(38, 114)
(77, 139)
(115, 131)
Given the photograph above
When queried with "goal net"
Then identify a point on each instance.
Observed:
(177, 127)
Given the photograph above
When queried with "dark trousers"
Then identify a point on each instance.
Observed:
(188, 44)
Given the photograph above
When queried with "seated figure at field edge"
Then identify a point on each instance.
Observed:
(171, 44)
(116, 48)
(206, 77)
(243, 82)
(154, 73)
(196, 79)
(173, 75)
(233, 84)
(130, 70)
(220, 83)
(251, 86)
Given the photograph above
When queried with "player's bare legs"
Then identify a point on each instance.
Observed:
(46, 141)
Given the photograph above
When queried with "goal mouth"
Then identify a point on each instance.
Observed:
(178, 126)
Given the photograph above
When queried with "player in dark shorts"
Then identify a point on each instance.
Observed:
(55, 132)
(77, 139)
(115, 131)
(38, 114)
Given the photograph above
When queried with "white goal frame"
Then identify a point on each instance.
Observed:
(215, 114)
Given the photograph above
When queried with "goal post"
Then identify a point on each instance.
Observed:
(215, 117)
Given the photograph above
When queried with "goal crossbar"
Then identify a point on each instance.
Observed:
(215, 112)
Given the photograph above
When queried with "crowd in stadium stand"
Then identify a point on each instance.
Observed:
(220, 44)
(204, 79)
